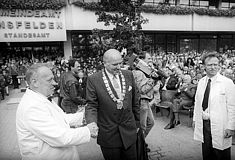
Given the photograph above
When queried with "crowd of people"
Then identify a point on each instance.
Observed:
(189, 63)
(13, 69)
(161, 80)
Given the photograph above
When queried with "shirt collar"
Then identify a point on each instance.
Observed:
(212, 78)
(110, 75)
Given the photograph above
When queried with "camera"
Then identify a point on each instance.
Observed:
(134, 61)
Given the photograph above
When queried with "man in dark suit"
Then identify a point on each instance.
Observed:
(113, 105)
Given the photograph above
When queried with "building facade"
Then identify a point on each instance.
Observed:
(204, 25)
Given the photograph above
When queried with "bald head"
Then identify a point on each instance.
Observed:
(112, 60)
(111, 55)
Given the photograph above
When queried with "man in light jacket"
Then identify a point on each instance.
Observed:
(43, 129)
(215, 123)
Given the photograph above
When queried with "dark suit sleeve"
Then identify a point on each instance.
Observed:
(92, 102)
(135, 102)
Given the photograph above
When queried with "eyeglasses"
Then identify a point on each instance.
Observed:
(210, 65)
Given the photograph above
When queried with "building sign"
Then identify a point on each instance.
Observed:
(32, 25)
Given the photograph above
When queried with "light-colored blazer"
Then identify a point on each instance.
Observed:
(221, 110)
(44, 132)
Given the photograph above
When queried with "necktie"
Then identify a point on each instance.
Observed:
(206, 95)
(116, 86)
(49, 98)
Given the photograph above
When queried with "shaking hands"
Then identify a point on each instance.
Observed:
(93, 129)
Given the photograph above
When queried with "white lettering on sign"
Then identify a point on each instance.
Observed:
(30, 25)
(30, 13)
(26, 35)
(18, 25)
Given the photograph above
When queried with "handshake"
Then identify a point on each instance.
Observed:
(93, 129)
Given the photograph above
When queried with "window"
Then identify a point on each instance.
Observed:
(207, 45)
(184, 2)
(225, 42)
(82, 45)
(160, 40)
(188, 44)
(148, 43)
(171, 43)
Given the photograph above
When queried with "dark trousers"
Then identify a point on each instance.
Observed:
(120, 153)
(2, 90)
(208, 152)
(15, 81)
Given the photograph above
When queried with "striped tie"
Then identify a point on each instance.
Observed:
(116, 86)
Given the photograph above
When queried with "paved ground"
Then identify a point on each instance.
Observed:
(174, 144)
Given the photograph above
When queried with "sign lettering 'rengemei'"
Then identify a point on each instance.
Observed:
(32, 25)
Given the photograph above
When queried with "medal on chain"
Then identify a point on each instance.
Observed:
(118, 101)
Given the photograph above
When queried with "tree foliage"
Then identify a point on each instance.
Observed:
(163, 8)
(126, 21)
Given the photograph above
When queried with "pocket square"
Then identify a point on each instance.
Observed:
(129, 89)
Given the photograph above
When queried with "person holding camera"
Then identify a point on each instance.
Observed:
(145, 84)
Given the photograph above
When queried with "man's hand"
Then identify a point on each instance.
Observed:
(93, 129)
(228, 133)
(154, 75)
(81, 108)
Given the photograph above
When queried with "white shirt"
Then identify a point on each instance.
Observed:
(80, 80)
(206, 113)
(111, 79)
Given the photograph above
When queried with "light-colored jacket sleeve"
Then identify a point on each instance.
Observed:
(230, 96)
(46, 124)
(74, 119)
(143, 83)
(197, 107)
